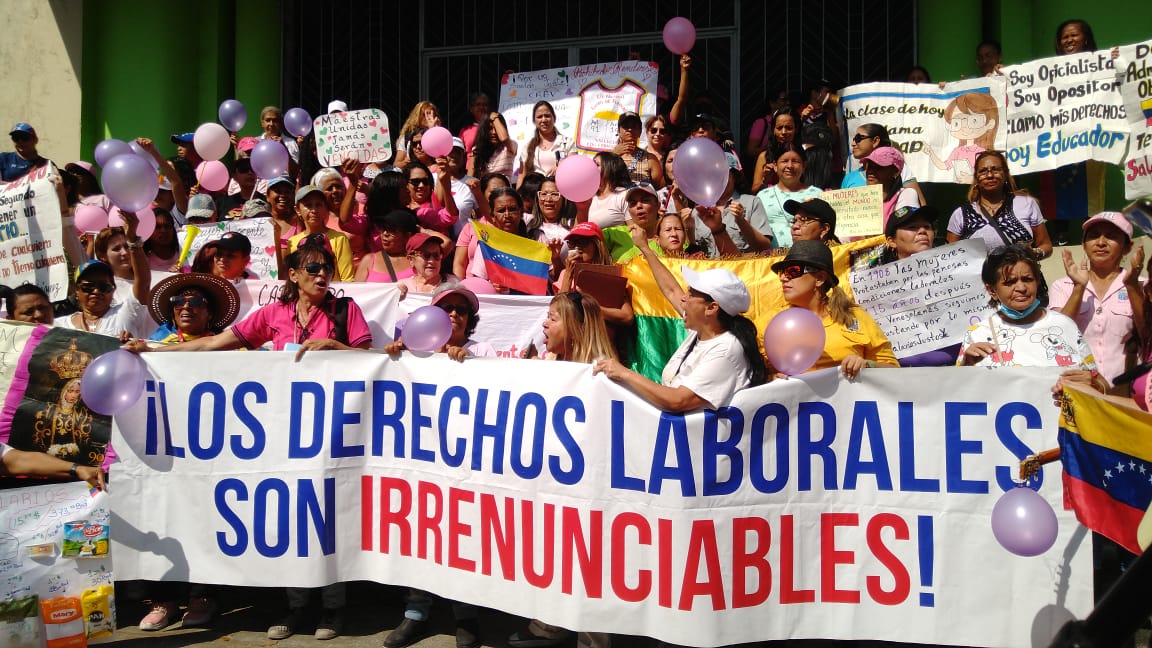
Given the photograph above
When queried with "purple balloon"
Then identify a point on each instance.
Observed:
(129, 182)
(232, 114)
(679, 35)
(139, 150)
(109, 149)
(427, 329)
(270, 159)
(298, 122)
(701, 170)
(113, 382)
(794, 340)
(1024, 522)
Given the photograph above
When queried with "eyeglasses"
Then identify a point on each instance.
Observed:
(548, 194)
(430, 256)
(802, 219)
(21, 137)
(192, 301)
(416, 182)
(987, 171)
(657, 131)
(793, 272)
(315, 268)
(857, 138)
(459, 309)
(92, 288)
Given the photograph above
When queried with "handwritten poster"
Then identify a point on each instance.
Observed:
(588, 100)
(1134, 66)
(939, 130)
(859, 210)
(1063, 110)
(258, 230)
(31, 248)
(925, 302)
(360, 134)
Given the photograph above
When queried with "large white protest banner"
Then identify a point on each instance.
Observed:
(1063, 110)
(588, 99)
(927, 301)
(811, 507)
(355, 134)
(31, 248)
(939, 130)
(54, 546)
(1134, 65)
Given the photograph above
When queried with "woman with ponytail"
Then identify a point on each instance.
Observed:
(720, 355)
(852, 339)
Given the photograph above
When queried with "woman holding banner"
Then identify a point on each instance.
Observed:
(997, 212)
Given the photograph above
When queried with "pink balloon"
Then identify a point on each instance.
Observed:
(478, 286)
(91, 218)
(211, 141)
(145, 226)
(427, 329)
(270, 159)
(108, 149)
(437, 141)
(212, 175)
(113, 382)
(1024, 522)
(679, 35)
(701, 170)
(794, 340)
(129, 182)
(578, 177)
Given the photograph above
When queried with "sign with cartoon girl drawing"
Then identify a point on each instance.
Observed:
(939, 129)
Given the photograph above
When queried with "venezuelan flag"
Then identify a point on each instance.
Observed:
(660, 325)
(1106, 449)
(514, 261)
(1146, 108)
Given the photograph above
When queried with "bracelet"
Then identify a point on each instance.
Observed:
(134, 244)
(72, 471)
(870, 363)
(719, 230)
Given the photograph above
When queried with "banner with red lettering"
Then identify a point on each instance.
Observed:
(1134, 68)
(812, 507)
(31, 233)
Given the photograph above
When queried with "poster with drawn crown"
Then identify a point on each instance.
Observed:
(587, 100)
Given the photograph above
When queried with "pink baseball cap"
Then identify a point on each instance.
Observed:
(886, 156)
(587, 229)
(1115, 218)
(246, 143)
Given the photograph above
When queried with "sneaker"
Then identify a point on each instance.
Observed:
(468, 633)
(161, 616)
(331, 622)
(200, 611)
(525, 639)
(407, 633)
(286, 627)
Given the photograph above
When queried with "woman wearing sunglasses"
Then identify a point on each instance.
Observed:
(659, 136)
(110, 303)
(463, 310)
(191, 306)
(306, 316)
(853, 340)
(721, 354)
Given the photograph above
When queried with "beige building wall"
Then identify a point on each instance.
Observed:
(42, 54)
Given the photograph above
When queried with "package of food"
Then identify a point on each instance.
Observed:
(84, 540)
(20, 622)
(97, 604)
(64, 622)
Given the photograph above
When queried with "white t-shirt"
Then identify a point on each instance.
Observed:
(1051, 341)
(465, 202)
(289, 143)
(125, 316)
(713, 369)
(610, 210)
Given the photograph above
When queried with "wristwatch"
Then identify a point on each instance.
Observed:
(72, 471)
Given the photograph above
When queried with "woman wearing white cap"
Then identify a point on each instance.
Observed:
(719, 356)
(1100, 293)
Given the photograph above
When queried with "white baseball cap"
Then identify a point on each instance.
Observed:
(725, 288)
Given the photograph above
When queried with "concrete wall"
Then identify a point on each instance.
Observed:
(41, 51)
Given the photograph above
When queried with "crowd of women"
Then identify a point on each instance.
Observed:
(410, 222)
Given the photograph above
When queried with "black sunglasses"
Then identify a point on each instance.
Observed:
(93, 288)
(459, 309)
(192, 301)
(416, 182)
(657, 131)
(315, 268)
(857, 138)
(21, 137)
(794, 271)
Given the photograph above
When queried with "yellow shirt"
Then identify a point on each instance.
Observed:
(340, 249)
(864, 338)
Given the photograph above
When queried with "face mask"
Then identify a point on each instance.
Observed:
(1013, 314)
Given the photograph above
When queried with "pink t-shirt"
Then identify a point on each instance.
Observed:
(1105, 320)
(467, 239)
(276, 323)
